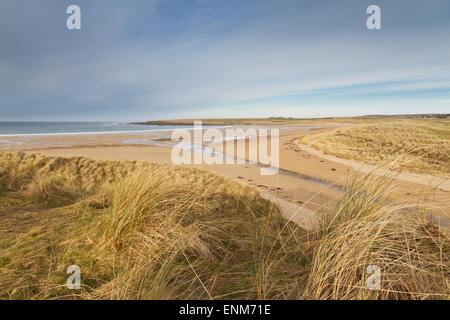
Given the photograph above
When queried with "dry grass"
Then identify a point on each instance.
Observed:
(140, 231)
(367, 230)
(423, 144)
(144, 231)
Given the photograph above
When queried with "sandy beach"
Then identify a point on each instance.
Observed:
(307, 178)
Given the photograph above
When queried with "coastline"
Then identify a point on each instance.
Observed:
(288, 187)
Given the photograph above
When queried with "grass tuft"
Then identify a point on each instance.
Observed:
(365, 229)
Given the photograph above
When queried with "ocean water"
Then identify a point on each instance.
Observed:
(37, 128)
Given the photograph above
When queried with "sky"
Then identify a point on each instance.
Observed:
(139, 60)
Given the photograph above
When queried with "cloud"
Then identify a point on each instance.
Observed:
(140, 60)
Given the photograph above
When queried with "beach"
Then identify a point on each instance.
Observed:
(118, 205)
(307, 178)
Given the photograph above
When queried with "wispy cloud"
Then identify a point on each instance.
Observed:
(140, 60)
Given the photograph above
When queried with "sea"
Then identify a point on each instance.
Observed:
(25, 128)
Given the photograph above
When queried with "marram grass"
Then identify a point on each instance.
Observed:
(147, 231)
(422, 145)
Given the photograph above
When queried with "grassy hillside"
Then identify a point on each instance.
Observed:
(138, 231)
(299, 121)
(423, 145)
(145, 231)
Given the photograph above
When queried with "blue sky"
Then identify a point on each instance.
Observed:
(166, 59)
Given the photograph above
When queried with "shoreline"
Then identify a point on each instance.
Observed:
(297, 182)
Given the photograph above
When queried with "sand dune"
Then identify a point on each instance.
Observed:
(294, 158)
